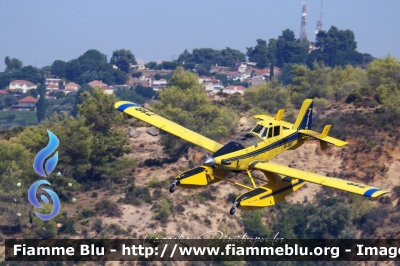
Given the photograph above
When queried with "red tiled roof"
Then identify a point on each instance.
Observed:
(72, 84)
(70, 89)
(28, 99)
(3, 92)
(21, 81)
(238, 87)
(262, 71)
(108, 88)
(233, 74)
(52, 86)
(213, 80)
(96, 83)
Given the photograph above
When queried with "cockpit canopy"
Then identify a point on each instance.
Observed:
(266, 131)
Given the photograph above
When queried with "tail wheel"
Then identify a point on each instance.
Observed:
(234, 207)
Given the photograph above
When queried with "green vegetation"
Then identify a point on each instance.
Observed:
(185, 102)
(10, 119)
(224, 57)
(139, 94)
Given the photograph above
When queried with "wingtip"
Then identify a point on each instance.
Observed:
(379, 193)
(122, 105)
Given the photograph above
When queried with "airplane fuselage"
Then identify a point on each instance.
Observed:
(264, 150)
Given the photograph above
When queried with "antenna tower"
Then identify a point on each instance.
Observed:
(319, 22)
(303, 30)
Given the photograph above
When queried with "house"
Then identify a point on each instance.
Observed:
(97, 84)
(159, 84)
(256, 81)
(203, 79)
(233, 89)
(51, 87)
(140, 81)
(138, 67)
(108, 89)
(69, 90)
(73, 86)
(242, 68)
(25, 104)
(124, 87)
(52, 81)
(213, 85)
(3, 92)
(234, 76)
(266, 72)
(21, 85)
(261, 73)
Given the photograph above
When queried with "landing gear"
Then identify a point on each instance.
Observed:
(173, 186)
(234, 207)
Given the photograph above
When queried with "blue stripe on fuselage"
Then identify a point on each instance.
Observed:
(283, 141)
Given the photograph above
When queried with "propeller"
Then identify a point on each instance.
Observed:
(210, 160)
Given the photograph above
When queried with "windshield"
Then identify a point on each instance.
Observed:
(228, 148)
(257, 129)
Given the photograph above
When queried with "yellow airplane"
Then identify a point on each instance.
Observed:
(253, 151)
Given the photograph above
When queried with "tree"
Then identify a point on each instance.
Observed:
(335, 47)
(98, 110)
(12, 65)
(91, 60)
(123, 59)
(259, 54)
(269, 97)
(58, 68)
(224, 57)
(30, 73)
(73, 70)
(185, 102)
(384, 71)
(42, 104)
(151, 65)
(254, 225)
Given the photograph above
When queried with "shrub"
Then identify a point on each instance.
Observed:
(97, 225)
(88, 213)
(163, 210)
(135, 195)
(108, 207)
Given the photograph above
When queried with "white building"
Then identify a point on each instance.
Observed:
(52, 81)
(213, 85)
(72, 86)
(233, 89)
(21, 85)
(159, 84)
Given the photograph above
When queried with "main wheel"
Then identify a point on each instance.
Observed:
(233, 209)
(172, 188)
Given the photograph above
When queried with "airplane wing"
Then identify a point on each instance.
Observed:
(267, 117)
(153, 119)
(337, 183)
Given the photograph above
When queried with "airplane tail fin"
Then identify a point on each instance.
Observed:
(304, 119)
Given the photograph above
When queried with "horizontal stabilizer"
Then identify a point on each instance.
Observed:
(337, 183)
(311, 133)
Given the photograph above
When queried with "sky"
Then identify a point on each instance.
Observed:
(40, 32)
